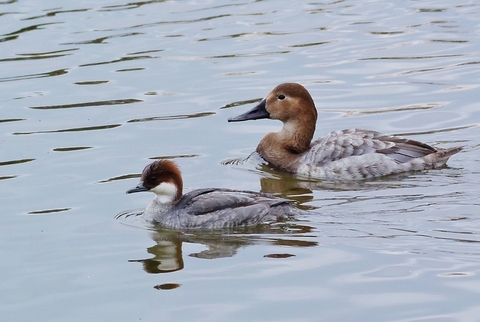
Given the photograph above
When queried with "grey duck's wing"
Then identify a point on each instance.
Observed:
(202, 201)
(224, 208)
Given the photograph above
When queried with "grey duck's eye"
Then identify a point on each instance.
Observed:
(151, 179)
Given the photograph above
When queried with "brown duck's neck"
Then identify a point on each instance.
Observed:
(296, 137)
(280, 152)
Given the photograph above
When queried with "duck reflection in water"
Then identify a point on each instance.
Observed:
(168, 254)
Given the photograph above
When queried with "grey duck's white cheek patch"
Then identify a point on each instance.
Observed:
(165, 191)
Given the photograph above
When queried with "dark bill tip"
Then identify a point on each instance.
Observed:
(258, 112)
(139, 188)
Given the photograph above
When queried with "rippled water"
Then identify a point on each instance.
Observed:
(92, 91)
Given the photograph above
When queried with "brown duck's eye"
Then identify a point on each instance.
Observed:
(281, 97)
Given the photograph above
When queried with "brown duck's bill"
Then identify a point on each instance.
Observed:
(139, 188)
(258, 112)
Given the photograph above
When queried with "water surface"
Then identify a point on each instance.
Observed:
(92, 92)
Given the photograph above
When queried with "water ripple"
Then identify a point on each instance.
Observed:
(386, 248)
(11, 120)
(412, 57)
(57, 72)
(413, 107)
(119, 60)
(7, 177)
(45, 55)
(15, 162)
(92, 82)
(76, 129)
(171, 117)
(102, 39)
(31, 28)
(128, 6)
(240, 103)
(89, 104)
(48, 211)
(122, 177)
(450, 129)
(8, 38)
(57, 12)
(73, 148)
(426, 70)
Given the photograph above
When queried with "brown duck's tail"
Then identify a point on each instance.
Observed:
(440, 158)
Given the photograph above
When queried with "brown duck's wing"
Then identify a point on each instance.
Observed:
(352, 142)
(338, 145)
(404, 150)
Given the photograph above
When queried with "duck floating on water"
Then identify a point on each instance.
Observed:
(352, 154)
(212, 208)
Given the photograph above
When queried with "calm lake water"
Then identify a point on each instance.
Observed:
(92, 91)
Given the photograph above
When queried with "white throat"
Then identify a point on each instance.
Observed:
(289, 128)
(166, 192)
